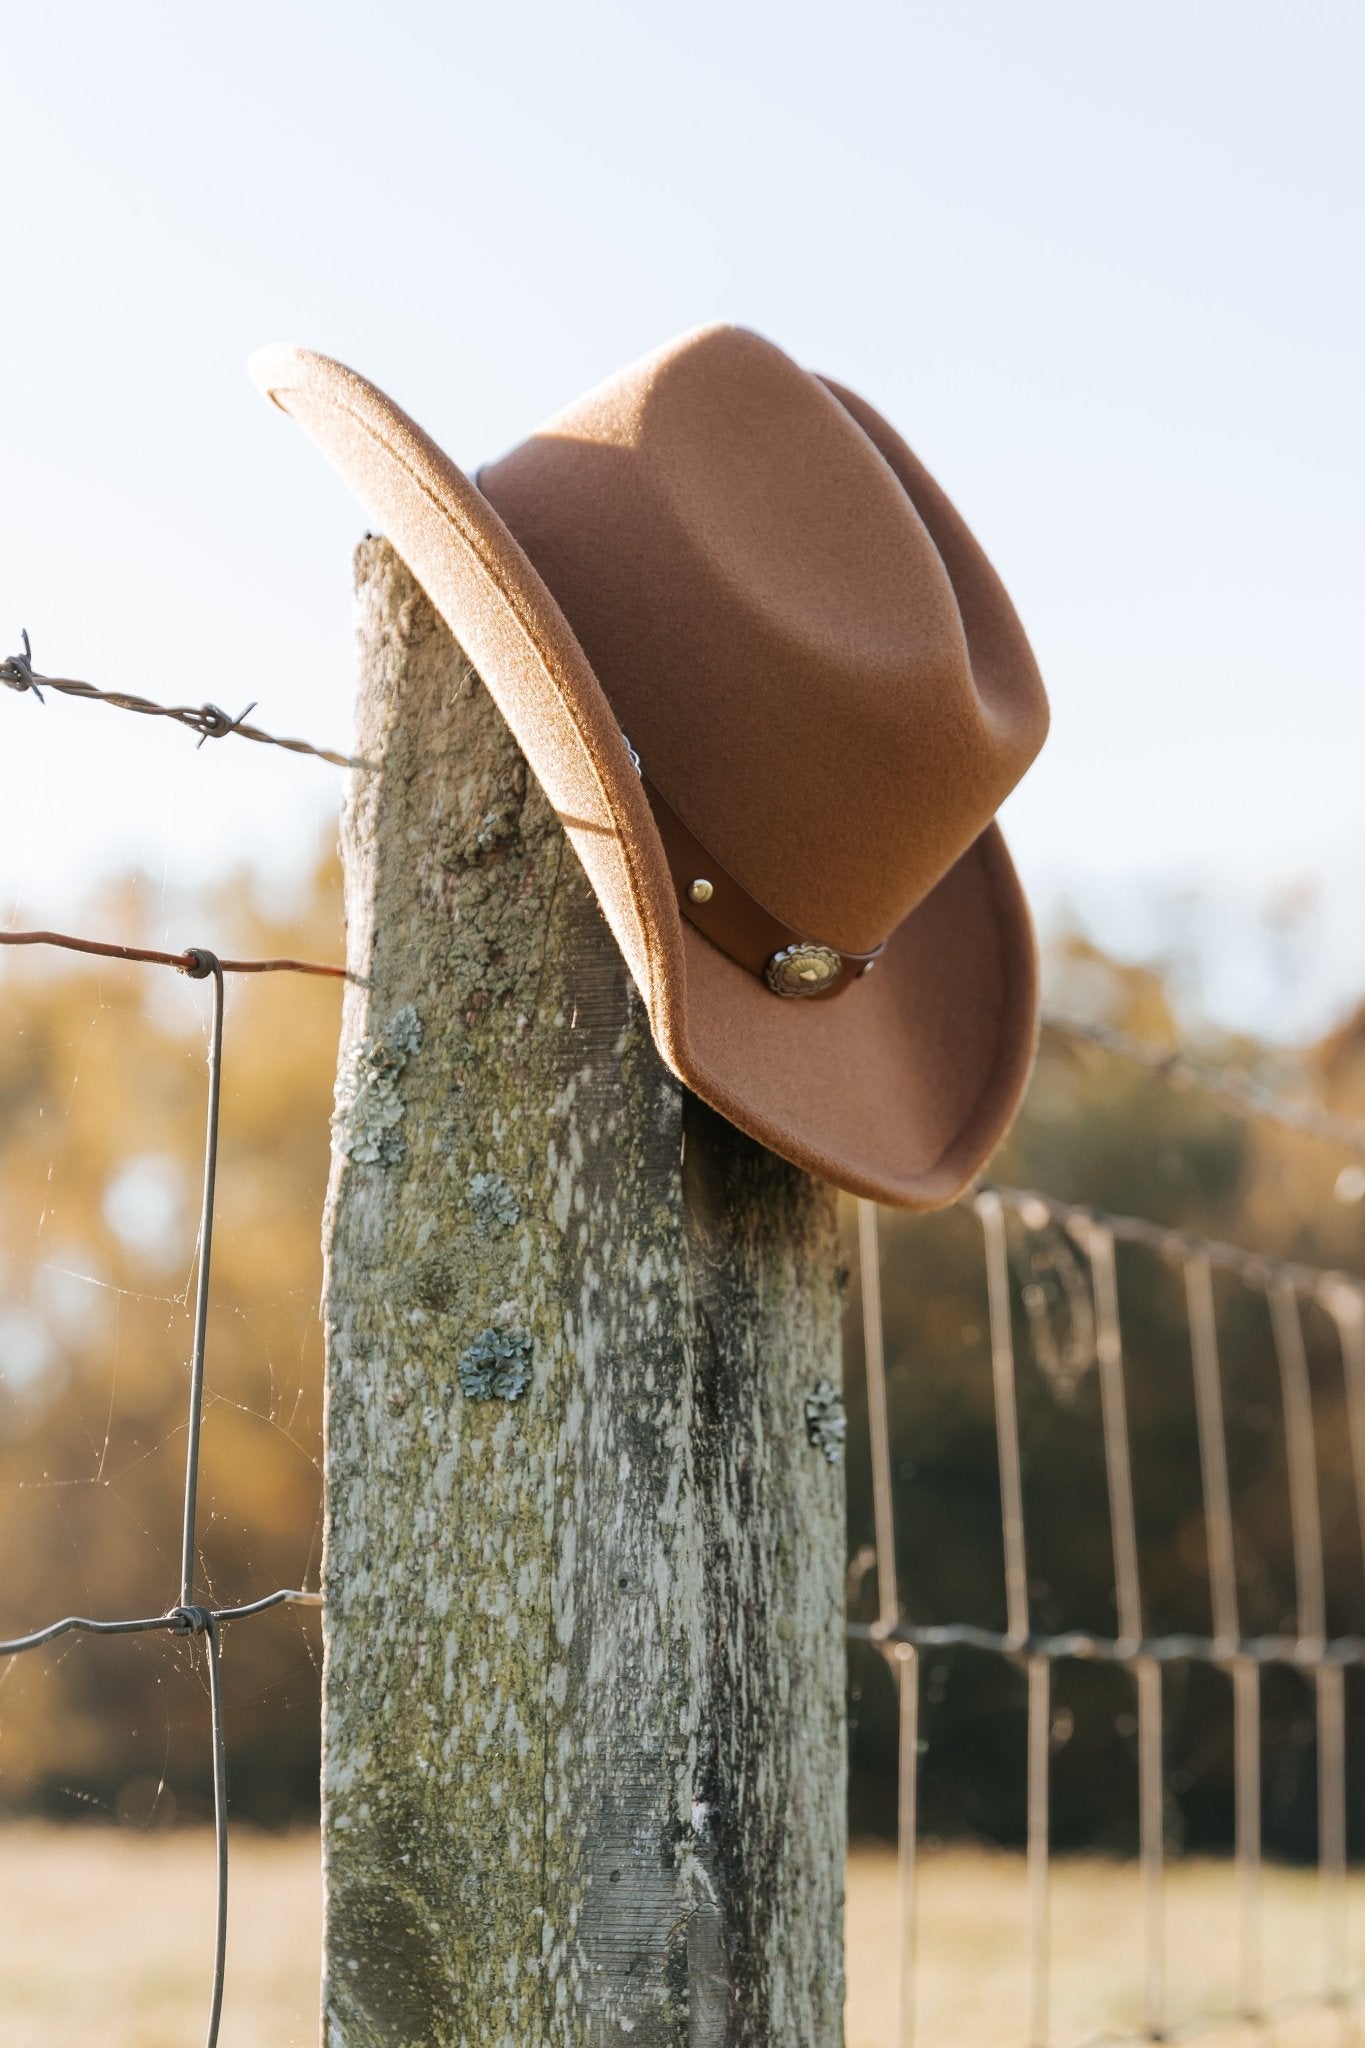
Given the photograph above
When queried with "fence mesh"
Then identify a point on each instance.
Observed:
(187, 1615)
(1242, 1659)
(1145, 1657)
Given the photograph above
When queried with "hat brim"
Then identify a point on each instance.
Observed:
(898, 1089)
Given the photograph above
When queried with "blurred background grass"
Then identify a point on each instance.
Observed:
(101, 1107)
(142, 1906)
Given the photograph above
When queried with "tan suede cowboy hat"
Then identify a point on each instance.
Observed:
(826, 694)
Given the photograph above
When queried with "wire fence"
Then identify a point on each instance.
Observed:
(210, 721)
(1242, 1658)
(1144, 1656)
(187, 1616)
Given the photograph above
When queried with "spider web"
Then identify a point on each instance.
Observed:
(102, 1082)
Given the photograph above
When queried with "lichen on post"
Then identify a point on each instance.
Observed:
(584, 1743)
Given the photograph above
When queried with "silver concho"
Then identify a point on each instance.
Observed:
(802, 970)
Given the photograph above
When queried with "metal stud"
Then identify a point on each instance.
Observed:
(803, 970)
(701, 891)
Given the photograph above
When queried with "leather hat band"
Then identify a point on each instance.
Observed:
(723, 910)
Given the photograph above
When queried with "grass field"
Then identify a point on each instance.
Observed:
(972, 1951)
(105, 1937)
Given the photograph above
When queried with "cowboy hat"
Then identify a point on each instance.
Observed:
(775, 693)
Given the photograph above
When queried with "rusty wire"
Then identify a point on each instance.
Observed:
(900, 1639)
(1172, 1064)
(187, 1616)
(903, 1642)
(184, 963)
(210, 721)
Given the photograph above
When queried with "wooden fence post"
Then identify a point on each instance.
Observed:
(584, 1771)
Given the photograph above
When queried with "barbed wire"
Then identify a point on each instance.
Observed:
(1095, 1229)
(187, 962)
(187, 1616)
(210, 721)
(1178, 1067)
(1172, 1064)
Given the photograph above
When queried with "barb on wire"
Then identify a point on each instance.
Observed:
(210, 721)
(189, 962)
(1236, 1089)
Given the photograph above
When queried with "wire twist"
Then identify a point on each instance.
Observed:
(192, 962)
(188, 1617)
(210, 721)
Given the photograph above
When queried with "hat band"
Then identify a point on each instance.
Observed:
(722, 909)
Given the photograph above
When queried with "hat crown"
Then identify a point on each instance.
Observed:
(812, 657)
(748, 571)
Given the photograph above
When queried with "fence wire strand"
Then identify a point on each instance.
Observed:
(1285, 1286)
(186, 1617)
(210, 721)
(1238, 1091)
(189, 962)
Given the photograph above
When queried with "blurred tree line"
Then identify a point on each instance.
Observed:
(102, 1097)
(1099, 1130)
(101, 1113)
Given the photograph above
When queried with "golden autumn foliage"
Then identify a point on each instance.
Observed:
(102, 1091)
(102, 1105)
(1099, 1130)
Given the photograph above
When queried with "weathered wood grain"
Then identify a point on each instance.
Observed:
(584, 1775)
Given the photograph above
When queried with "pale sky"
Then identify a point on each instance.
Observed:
(1100, 263)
